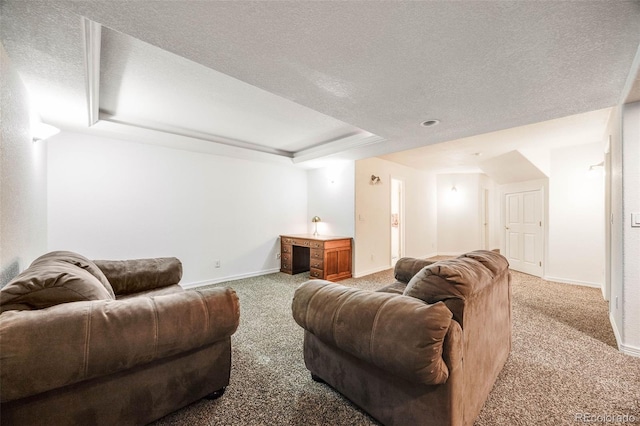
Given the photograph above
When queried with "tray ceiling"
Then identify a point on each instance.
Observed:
(300, 80)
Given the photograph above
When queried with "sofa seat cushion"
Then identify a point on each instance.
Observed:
(398, 334)
(395, 288)
(55, 278)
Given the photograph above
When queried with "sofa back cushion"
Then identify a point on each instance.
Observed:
(494, 262)
(78, 260)
(141, 275)
(407, 267)
(55, 278)
(455, 281)
(455, 278)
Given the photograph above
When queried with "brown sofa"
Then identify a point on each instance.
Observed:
(109, 342)
(425, 350)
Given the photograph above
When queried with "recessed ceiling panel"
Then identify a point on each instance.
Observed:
(146, 86)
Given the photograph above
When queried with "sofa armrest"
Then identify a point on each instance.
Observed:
(72, 342)
(399, 334)
(137, 275)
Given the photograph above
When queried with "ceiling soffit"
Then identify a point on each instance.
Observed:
(143, 86)
(511, 167)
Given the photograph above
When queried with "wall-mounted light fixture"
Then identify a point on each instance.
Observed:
(42, 131)
(374, 180)
(315, 220)
(597, 167)
(454, 189)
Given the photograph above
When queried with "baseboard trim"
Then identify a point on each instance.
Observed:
(614, 326)
(625, 349)
(197, 284)
(427, 256)
(574, 282)
(450, 253)
(630, 350)
(371, 271)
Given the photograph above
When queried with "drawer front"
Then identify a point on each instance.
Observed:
(338, 243)
(286, 257)
(316, 263)
(316, 273)
(286, 240)
(304, 243)
(317, 254)
(317, 245)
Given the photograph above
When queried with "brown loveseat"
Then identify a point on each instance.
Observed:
(109, 342)
(425, 350)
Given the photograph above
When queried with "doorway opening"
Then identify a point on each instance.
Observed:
(486, 236)
(397, 220)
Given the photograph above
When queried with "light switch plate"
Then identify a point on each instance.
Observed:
(635, 220)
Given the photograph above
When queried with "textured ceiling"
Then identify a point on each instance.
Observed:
(634, 92)
(382, 67)
(535, 141)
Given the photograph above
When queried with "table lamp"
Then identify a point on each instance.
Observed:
(315, 220)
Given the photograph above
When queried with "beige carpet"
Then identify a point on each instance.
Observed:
(563, 363)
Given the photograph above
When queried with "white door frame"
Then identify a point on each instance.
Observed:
(401, 225)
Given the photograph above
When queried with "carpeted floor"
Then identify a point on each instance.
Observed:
(563, 364)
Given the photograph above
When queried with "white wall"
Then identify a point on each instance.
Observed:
(459, 213)
(631, 235)
(119, 200)
(23, 208)
(624, 303)
(576, 249)
(373, 214)
(331, 193)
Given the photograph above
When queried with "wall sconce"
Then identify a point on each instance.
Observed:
(374, 180)
(42, 131)
(315, 220)
(454, 189)
(597, 167)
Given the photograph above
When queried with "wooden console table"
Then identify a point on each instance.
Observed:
(327, 258)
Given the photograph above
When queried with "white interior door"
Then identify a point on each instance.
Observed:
(523, 226)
